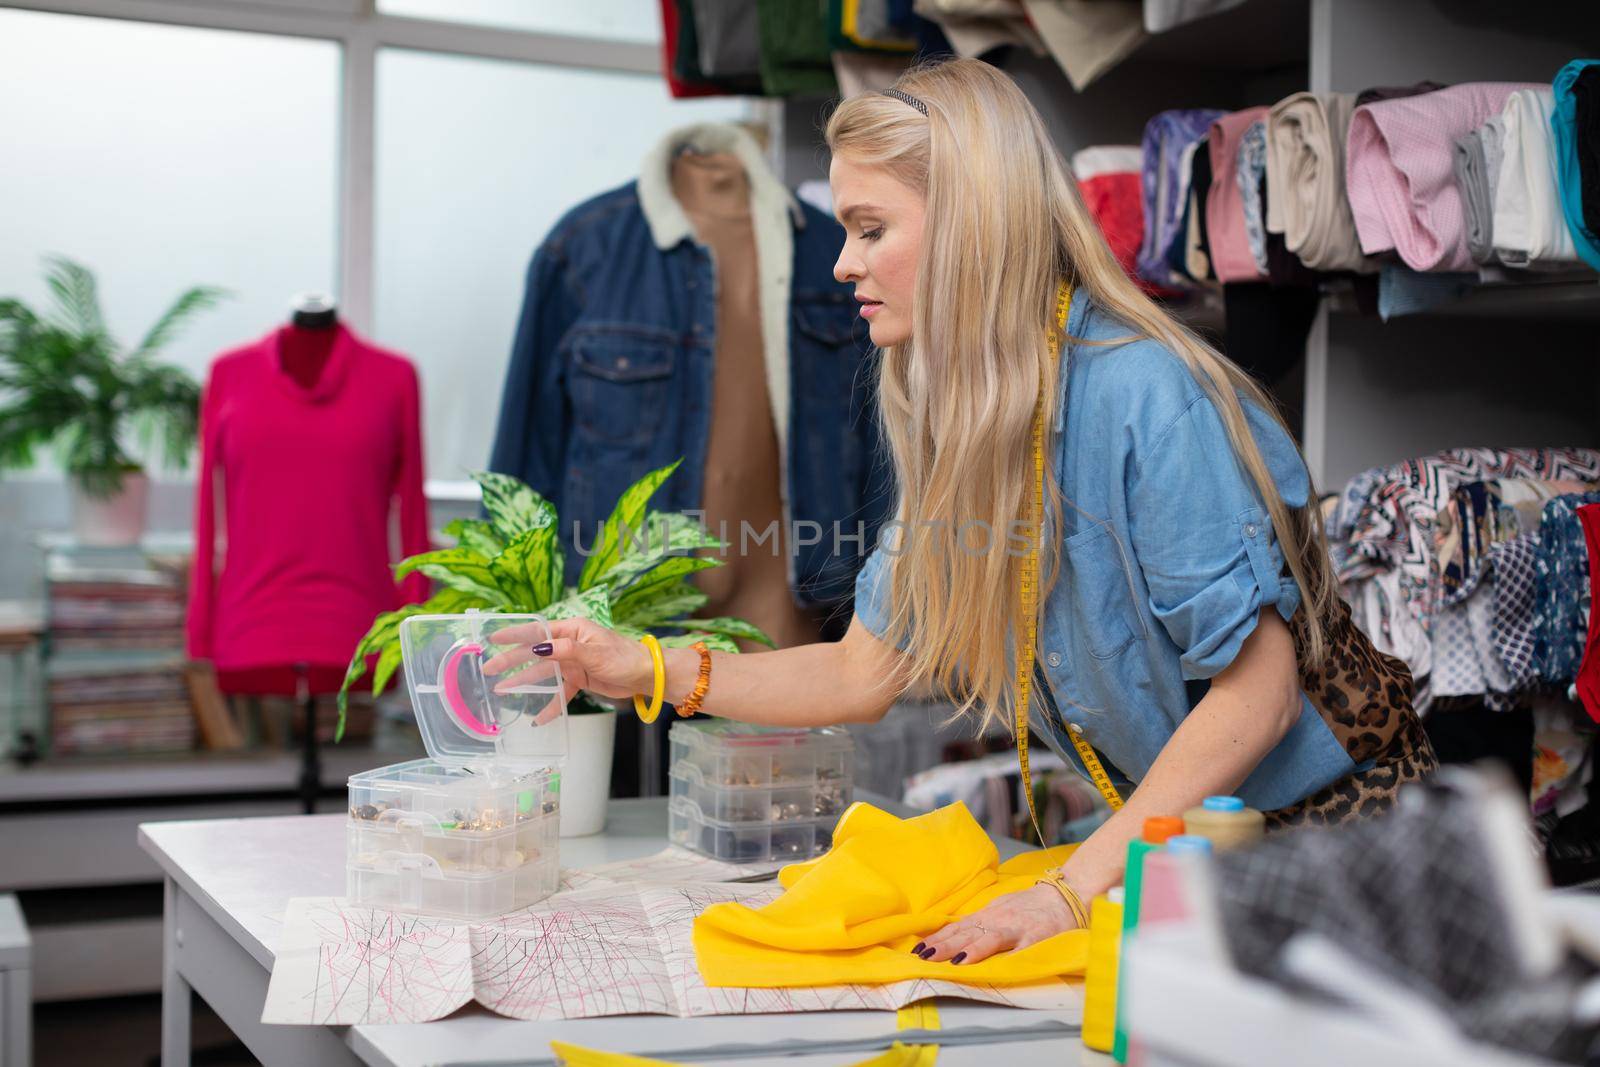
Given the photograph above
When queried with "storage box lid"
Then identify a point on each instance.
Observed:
(469, 719)
(731, 734)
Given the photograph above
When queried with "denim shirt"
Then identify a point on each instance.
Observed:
(611, 376)
(1168, 556)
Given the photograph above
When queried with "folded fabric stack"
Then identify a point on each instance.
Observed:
(1412, 194)
(1110, 179)
(822, 47)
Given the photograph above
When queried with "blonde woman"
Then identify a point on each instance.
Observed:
(1180, 542)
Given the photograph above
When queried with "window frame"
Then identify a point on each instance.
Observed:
(361, 30)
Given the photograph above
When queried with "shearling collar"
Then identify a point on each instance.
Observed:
(668, 224)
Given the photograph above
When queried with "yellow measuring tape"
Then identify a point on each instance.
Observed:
(921, 1015)
(1029, 590)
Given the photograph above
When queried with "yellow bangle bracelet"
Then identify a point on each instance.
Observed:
(658, 691)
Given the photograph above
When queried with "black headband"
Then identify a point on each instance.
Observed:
(907, 98)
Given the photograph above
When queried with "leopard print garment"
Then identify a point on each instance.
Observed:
(1365, 698)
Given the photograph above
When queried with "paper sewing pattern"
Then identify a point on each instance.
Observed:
(607, 949)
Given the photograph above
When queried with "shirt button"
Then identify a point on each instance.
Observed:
(1250, 529)
(1054, 659)
(1076, 728)
(622, 364)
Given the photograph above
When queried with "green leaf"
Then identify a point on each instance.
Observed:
(531, 565)
(491, 595)
(189, 304)
(667, 536)
(662, 606)
(476, 535)
(623, 524)
(387, 663)
(385, 630)
(449, 601)
(715, 642)
(591, 604)
(669, 571)
(513, 507)
(457, 568)
(732, 627)
(77, 296)
(462, 561)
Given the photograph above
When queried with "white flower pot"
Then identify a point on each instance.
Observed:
(115, 521)
(586, 778)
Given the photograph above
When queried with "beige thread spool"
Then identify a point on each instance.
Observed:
(1226, 822)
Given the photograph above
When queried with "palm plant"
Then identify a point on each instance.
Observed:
(635, 579)
(64, 381)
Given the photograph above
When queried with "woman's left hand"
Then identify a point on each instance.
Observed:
(1013, 921)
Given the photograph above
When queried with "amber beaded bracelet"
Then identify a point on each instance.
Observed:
(697, 695)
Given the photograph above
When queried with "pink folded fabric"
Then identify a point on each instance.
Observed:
(1399, 178)
(1231, 257)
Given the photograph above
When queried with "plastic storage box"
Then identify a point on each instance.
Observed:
(474, 830)
(749, 794)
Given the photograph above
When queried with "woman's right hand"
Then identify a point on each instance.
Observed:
(591, 656)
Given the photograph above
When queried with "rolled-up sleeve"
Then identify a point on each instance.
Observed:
(872, 593)
(1203, 536)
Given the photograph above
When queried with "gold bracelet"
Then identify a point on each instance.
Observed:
(1058, 881)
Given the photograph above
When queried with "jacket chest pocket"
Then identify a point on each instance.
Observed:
(825, 345)
(621, 380)
(1100, 592)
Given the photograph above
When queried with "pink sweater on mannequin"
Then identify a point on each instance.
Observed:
(299, 476)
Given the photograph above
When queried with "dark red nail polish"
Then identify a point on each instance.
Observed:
(958, 957)
(920, 946)
(544, 648)
(927, 953)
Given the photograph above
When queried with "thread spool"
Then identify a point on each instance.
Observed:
(1157, 830)
(1226, 822)
(1100, 976)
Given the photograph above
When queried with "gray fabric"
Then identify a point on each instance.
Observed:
(1163, 15)
(1477, 207)
(872, 22)
(728, 37)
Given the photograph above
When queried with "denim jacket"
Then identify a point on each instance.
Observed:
(1167, 558)
(611, 372)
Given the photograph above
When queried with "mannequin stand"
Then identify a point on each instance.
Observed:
(303, 682)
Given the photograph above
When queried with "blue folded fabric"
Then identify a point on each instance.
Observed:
(1165, 138)
(1576, 136)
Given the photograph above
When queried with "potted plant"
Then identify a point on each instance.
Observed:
(65, 382)
(634, 580)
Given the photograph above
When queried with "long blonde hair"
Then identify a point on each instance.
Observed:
(1004, 225)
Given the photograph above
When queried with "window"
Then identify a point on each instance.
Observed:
(163, 157)
(476, 160)
(618, 20)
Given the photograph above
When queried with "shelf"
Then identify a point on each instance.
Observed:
(1554, 300)
(194, 774)
(1261, 35)
(1568, 299)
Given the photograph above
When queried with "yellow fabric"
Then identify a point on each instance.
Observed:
(854, 913)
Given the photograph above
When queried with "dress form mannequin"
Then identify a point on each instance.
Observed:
(304, 349)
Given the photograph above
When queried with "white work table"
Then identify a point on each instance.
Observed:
(228, 882)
